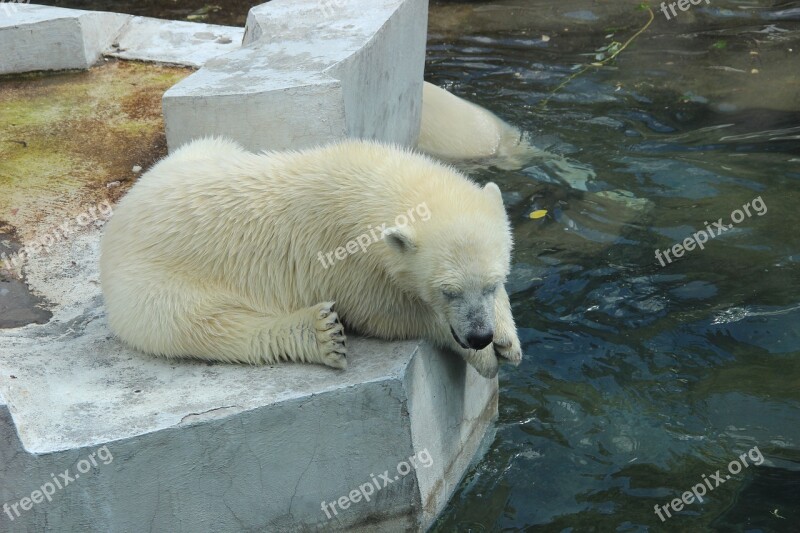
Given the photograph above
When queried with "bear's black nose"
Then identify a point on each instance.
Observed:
(478, 341)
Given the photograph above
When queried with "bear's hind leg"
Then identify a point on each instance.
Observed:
(174, 318)
(309, 335)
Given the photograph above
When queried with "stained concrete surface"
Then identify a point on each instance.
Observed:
(70, 141)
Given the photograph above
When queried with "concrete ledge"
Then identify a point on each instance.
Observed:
(172, 41)
(224, 448)
(50, 38)
(305, 78)
(230, 448)
(35, 37)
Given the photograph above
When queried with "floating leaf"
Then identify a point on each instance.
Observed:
(539, 213)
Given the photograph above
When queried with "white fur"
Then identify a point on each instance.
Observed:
(214, 254)
(454, 129)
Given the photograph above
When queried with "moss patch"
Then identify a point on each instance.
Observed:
(67, 135)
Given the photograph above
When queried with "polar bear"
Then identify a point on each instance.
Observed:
(455, 129)
(215, 254)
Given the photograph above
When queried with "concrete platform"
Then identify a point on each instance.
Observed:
(140, 442)
(35, 37)
(225, 447)
(305, 77)
(174, 42)
(309, 72)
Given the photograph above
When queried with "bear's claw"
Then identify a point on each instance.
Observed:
(330, 336)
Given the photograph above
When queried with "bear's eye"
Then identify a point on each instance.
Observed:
(491, 289)
(451, 294)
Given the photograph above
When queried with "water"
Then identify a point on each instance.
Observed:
(638, 379)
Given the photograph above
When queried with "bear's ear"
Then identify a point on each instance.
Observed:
(400, 238)
(493, 190)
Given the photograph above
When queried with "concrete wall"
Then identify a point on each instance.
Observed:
(229, 448)
(305, 78)
(49, 38)
(34, 37)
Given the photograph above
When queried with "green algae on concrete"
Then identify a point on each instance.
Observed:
(70, 141)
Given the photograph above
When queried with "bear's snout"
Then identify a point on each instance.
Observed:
(480, 340)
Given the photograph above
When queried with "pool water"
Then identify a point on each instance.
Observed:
(641, 381)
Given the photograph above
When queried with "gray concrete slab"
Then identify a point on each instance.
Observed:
(173, 41)
(34, 37)
(220, 447)
(304, 78)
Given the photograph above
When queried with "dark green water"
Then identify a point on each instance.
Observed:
(638, 379)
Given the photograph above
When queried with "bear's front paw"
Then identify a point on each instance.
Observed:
(509, 349)
(330, 336)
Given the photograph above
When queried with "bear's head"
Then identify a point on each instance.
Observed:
(457, 261)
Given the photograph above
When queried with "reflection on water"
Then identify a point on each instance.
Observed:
(640, 379)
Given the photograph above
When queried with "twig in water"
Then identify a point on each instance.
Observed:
(598, 64)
